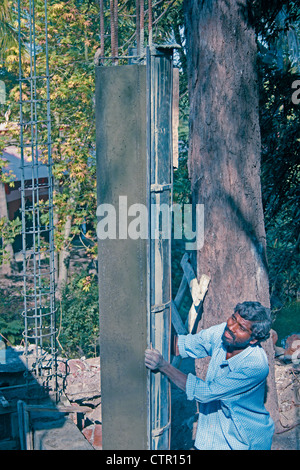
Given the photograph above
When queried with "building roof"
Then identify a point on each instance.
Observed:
(12, 156)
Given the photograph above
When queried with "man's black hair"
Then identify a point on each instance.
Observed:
(260, 317)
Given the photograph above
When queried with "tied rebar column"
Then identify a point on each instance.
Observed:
(37, 195)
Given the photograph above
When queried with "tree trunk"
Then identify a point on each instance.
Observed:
(224, 161)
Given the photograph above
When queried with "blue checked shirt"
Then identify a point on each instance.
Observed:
(232, 414)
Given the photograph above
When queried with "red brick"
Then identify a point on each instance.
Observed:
(93, 434)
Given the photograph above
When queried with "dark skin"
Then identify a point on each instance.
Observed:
(237, 336)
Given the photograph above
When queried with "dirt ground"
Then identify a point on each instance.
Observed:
(184, 412)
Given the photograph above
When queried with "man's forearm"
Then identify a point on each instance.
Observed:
(175, 375)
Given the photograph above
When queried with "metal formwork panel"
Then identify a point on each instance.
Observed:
(134, 166)
(159, 109)
(122, 172)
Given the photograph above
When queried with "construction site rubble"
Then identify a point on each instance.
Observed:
(33, 418)
(80, 381)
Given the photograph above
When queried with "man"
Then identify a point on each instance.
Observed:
(231, 399)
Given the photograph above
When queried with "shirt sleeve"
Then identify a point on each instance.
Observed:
(201, 344)
(235, 383)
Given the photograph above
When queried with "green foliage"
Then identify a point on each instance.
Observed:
(9, 229)
(8, 34)
(73, 35)
(280, 124)
(181, 195)
(73, 38)
(11, 322)
(6, 177)
(79, 317)
(72, 42)
(287, 321)
(264, 16)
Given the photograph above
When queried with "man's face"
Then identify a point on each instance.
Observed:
(238, 333)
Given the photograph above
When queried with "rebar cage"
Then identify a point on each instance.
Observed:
(37, 195)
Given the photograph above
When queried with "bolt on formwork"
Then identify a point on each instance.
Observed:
(37, 195)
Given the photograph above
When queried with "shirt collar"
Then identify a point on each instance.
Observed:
(234, 361)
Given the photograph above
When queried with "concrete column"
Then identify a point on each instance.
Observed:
(121, 182)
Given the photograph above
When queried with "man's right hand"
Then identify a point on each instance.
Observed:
(154, 359)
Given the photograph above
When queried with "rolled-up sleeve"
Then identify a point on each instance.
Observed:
(181, 346)
(201, 344)
(190, 386)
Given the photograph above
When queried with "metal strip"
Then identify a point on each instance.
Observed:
(159, 68)
(148, 200)
(159, 431)
(159, 188)
(160, 308)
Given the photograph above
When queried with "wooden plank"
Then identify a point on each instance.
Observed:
(191, 279)
(195, 308)
(23, 425)
(177, 321)
(181, 292)
(28, 431)
(191, 317)
(58, 409)
(198, 291)
(187, 268)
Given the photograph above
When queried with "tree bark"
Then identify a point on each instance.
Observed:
(224, 161)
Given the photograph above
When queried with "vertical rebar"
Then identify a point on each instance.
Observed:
(37, 201)
(138, 26)
(142, 27)
(52, 306)
(150, 25)
(112, 30)
(116, 30)
(102, 31)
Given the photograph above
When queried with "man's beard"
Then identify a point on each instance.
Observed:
(232, 344)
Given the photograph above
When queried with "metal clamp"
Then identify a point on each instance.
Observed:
(159, 431)
(159, 188)
(160, 308)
